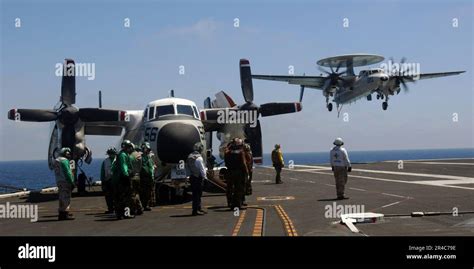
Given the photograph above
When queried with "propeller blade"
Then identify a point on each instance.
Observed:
(332, 70)
(323, 70)
(212, 114)
(100, 99)
(34, 115)
(271, 109)
(405, 86)
(207, 102)
(341, 73)
(208, 134)
(99, 115)
(68, 84)
(338, 66)
(246, 80)
(327, 84)
(253, 136)
(53, 147)
(68, 136)
(301, 93)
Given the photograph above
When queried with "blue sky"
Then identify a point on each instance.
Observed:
(138, 64)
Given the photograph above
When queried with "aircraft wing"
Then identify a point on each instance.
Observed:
(209, 119)
(95, 129)
(441, 74)
(114, 128)
(412, 78)
(316, 82)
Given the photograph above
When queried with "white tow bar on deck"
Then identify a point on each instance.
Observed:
(350, 219)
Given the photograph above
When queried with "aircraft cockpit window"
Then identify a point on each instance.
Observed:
(196, 113)
(145, 114)
(151, 113)
(185, 110)
(375, 71)
(164, 110)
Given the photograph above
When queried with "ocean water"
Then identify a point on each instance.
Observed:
(35, 175)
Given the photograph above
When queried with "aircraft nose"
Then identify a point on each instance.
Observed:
(175, 141)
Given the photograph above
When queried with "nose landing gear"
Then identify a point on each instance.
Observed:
(329, 106)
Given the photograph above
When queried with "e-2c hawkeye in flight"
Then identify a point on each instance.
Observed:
(346, 87)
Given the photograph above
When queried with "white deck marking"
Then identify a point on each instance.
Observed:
(314, 169)
(413, 174)
(309, 166)
(439, 183)
(261, 181)
(398, 173)
(356, 189)
(394, 195)
(447, 182)
(407, 182)
(444, 159)
(441, 163)
(391, 204)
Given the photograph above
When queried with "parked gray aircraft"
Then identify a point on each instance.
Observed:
(171, 125)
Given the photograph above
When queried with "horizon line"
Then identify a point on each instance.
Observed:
(472, 148)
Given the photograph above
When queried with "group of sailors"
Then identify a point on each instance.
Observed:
(128, 176)
(127, 180)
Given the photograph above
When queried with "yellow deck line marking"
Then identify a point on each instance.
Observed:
(289, 222)
(258, 226)
(239, 223)
(290, 228)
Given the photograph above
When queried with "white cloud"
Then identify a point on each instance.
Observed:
(204, 28)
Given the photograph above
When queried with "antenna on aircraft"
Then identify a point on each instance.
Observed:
(171, 93)
(100, 99)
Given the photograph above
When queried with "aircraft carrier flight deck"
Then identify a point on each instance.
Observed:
(426, 197)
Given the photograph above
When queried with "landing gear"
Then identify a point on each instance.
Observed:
(384, 105)
(369, 97)
(328, 105)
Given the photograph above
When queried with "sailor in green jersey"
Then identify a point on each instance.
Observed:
(136, 162)
(106, 179)
(146, 176)
(121, 170)
(65, 183)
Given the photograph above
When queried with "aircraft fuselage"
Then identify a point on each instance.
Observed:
(364, 84)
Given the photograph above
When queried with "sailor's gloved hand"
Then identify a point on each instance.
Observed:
(349, 169)
(332, 168)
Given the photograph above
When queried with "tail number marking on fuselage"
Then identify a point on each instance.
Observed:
(150, 133)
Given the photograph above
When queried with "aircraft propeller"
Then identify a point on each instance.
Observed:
(401, 75)
(68, 128)
(333, 77)
(253, 133)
